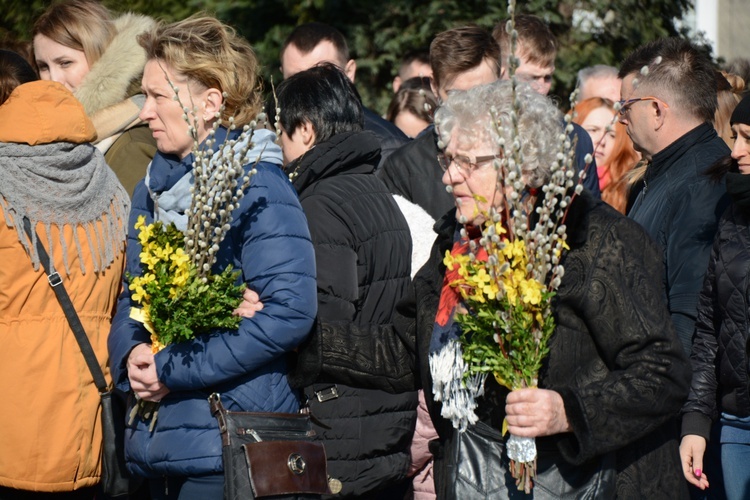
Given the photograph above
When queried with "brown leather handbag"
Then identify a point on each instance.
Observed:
(270, 454)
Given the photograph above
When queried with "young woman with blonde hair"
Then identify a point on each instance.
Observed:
(729, 94)
(268, 240)
(97, 57)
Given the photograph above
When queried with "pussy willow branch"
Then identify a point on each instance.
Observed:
(219, 180)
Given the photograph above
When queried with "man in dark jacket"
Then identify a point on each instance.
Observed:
(668, 102)
(461, 58)
(314, 43)
(667, 109)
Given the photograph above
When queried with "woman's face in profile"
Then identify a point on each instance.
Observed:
(59, 63)
(164, 114)
(741, 148)
(472, 178)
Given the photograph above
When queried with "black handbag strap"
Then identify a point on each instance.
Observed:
(56, 282)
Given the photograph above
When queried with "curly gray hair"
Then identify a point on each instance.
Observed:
(482, 115)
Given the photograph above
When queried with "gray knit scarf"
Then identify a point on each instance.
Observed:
(64, 184)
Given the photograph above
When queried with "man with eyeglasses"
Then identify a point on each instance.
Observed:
(668, 103)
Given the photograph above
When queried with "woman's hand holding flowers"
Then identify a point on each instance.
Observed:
(142, 374)
(535, 412)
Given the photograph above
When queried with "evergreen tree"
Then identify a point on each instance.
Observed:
(379, 33)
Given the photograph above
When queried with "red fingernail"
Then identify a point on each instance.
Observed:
(697, 472)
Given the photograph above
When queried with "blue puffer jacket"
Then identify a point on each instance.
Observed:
(270, 242)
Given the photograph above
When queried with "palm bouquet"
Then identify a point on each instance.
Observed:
(507, 281)
(178, 294)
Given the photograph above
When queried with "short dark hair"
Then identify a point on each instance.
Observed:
(678, 72)
(306, 37)
(322, 96)
(418, 55)
(14, 71)
(536, 42)
(458, 50)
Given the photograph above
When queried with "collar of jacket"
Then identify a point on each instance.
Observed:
(445, 227)
(166, 169)
(347, 153)
(430, 130)
(577, 219)
(670, 155)
(738, 187)
(116, 75)
(43, 112)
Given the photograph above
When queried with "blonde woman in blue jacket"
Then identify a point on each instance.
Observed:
(268, 241)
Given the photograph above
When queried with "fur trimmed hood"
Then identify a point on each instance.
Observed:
(119, 70)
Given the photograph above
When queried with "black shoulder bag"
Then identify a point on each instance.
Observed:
(271, 455)
(115, 480)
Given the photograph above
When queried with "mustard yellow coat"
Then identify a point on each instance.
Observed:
(50, 432)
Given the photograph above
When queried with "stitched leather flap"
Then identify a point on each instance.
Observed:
(287, 467)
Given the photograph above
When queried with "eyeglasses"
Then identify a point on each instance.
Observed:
(624, 105)
(464, 164)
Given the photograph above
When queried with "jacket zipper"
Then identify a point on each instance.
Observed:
(641, 195)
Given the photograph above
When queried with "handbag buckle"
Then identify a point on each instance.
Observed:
(54, 279)
(327, 394)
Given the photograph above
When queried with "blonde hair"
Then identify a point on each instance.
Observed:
(83, 25)
(729, 94)
(210, 53)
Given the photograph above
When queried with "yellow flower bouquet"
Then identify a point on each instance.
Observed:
(507, 320)
(505, 269)
(177, 301)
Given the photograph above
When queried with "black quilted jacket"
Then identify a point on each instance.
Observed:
(363, 257)
(720, 344)
(614, 356)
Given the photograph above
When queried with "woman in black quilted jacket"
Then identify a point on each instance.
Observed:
(720, 391)
(356, 373)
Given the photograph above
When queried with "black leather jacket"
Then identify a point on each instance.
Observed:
(720, 344)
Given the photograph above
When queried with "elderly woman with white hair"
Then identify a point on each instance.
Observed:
(615, 374)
